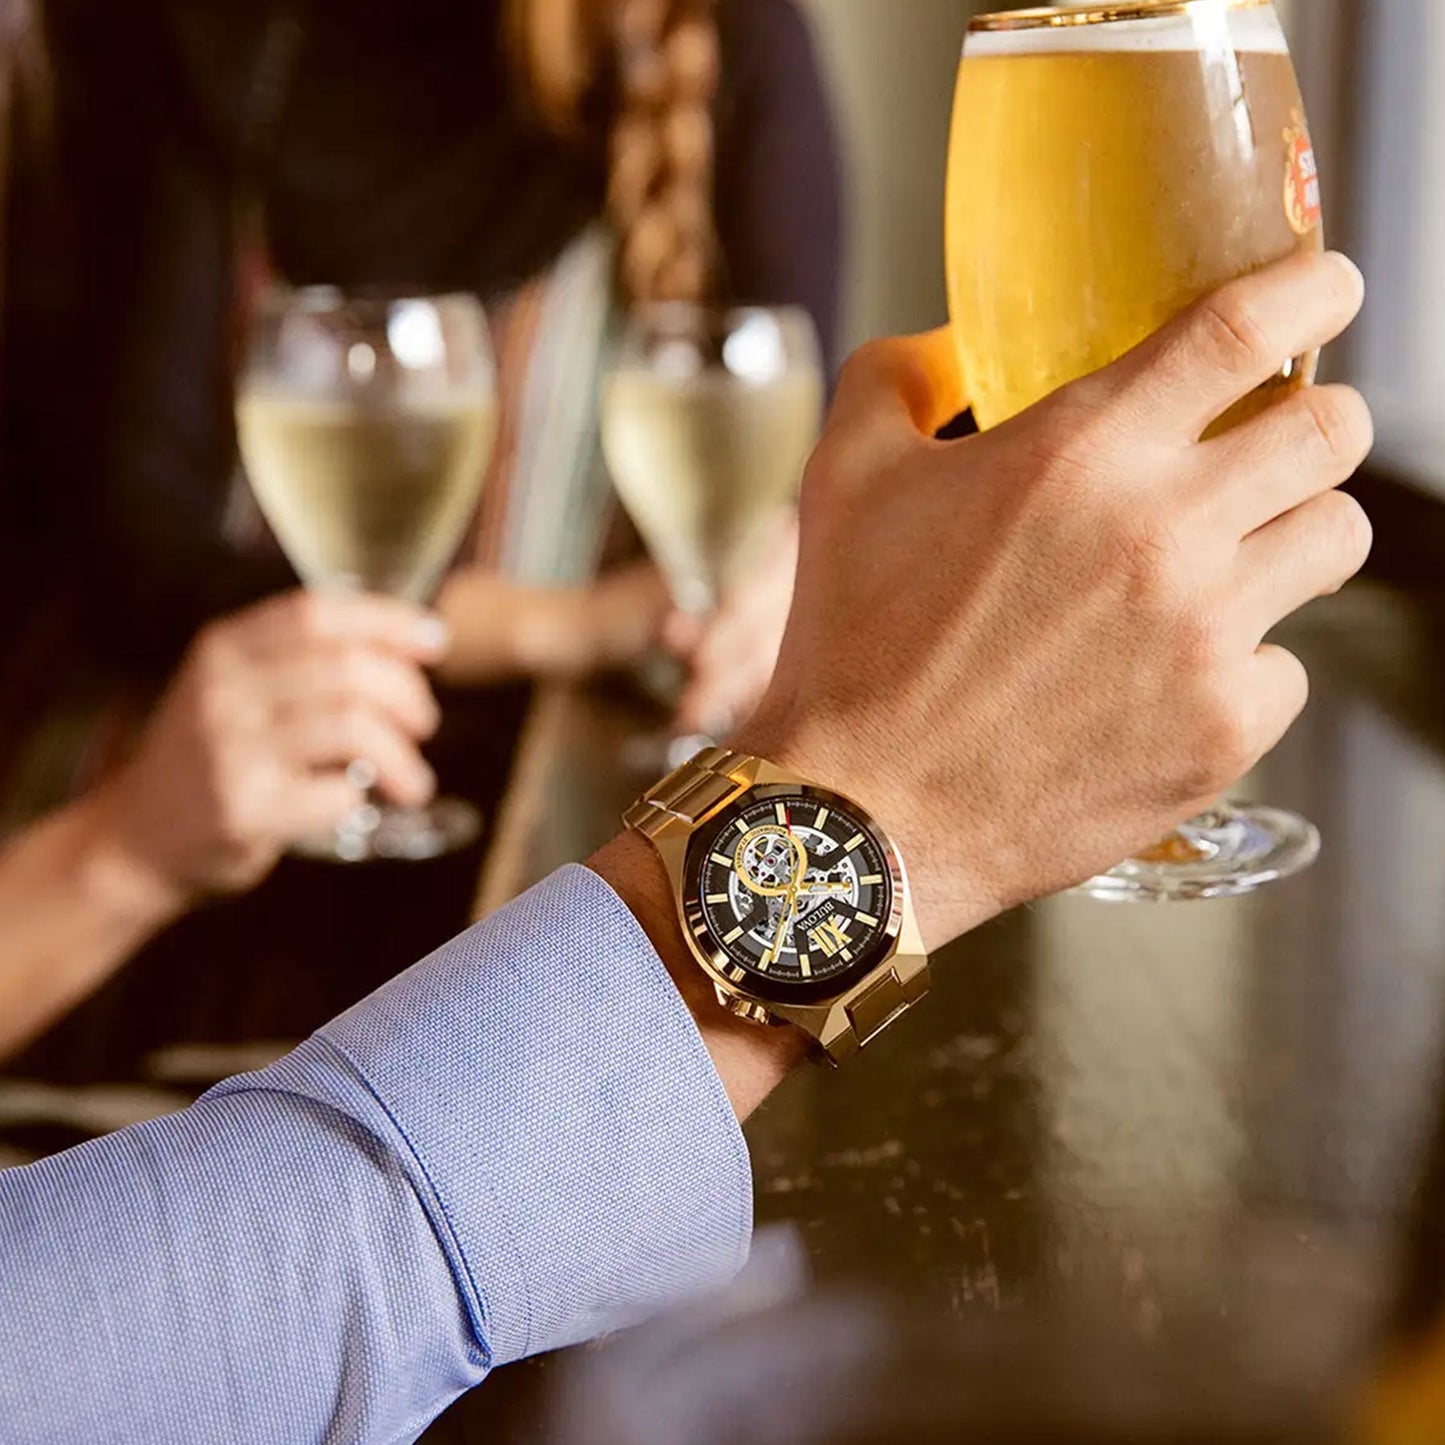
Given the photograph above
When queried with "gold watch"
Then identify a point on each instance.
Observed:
(792, 899)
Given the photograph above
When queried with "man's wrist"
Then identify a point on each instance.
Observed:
(751, 1060)
(952, 886)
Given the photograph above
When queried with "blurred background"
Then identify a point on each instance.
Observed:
(1215, 1111)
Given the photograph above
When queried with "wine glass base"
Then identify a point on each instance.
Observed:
(1225, 853)
(406, 835)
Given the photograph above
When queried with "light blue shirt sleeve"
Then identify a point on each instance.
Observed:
(518, 1144)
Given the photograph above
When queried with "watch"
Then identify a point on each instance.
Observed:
(792, 899)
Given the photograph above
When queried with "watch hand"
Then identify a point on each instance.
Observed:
(756, 918)
(775, 949)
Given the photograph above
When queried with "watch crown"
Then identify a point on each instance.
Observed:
(744, 1008)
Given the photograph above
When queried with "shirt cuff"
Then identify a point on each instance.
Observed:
(572, 1141)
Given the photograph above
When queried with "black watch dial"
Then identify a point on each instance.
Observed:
(793, 893)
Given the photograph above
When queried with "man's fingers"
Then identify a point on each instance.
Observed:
(1220, 349)
(1280, 687)
(336, 737)
(897, 389)
(1309, 552)
(1299, 447)
(307, 618)
(357, 675)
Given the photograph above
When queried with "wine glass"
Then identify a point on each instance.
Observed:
(366, 423)
(708, 416)
(1108, 166)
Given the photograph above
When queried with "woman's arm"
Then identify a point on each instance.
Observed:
(244, 754)
(502, 630)
(74, 905)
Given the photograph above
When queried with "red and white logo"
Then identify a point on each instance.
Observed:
(1301, 179)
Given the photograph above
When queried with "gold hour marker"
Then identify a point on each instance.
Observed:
(830, 936)
(852, 842)
(871, 878)
(868, 919)
(740, 825)
(722, 860)
(765, 962)
(847, 955)
(821, 818)
(782, 811)
(716, 898)
(806, 964)
(736, 934)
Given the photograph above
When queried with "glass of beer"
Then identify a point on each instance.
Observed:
(1108, 166)
(708, 417)
(366, 423)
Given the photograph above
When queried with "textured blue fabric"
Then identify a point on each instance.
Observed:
(518, 1143)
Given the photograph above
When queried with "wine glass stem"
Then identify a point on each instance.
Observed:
(365, 818)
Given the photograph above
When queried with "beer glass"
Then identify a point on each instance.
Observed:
(1108, 166)
(366, 423)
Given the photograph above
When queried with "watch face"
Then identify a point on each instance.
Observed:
(793, 893)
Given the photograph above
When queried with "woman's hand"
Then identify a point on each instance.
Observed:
(731, 655)
(249, 748)
(501, 629)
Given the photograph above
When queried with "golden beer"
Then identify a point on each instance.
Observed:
(1107, 168)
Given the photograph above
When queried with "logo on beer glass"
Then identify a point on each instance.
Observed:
(1301, 178)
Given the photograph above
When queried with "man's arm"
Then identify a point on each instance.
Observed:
(519, 1143)
(1026, 654)
(751, 1062)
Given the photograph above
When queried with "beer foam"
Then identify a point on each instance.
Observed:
(1206, 27)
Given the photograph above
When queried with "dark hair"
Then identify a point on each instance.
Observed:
(24, 91)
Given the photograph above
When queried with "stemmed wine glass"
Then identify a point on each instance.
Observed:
(366, 423)
(708, 416)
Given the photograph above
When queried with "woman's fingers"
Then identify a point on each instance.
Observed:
(329, 738)
(357, 675)
(315, 803)
(301, 621)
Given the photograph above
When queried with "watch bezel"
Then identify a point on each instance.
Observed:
(745, 983)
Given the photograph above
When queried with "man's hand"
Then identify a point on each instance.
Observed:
(1033, 652)
(249, 748)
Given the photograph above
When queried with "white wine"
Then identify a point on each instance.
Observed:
(702, 464)
(373, 498)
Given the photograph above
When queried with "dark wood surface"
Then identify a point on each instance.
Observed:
(1152, 1103)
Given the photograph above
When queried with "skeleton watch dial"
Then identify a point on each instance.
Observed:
(793, 891)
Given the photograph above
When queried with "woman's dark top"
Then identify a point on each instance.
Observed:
(400, 156)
